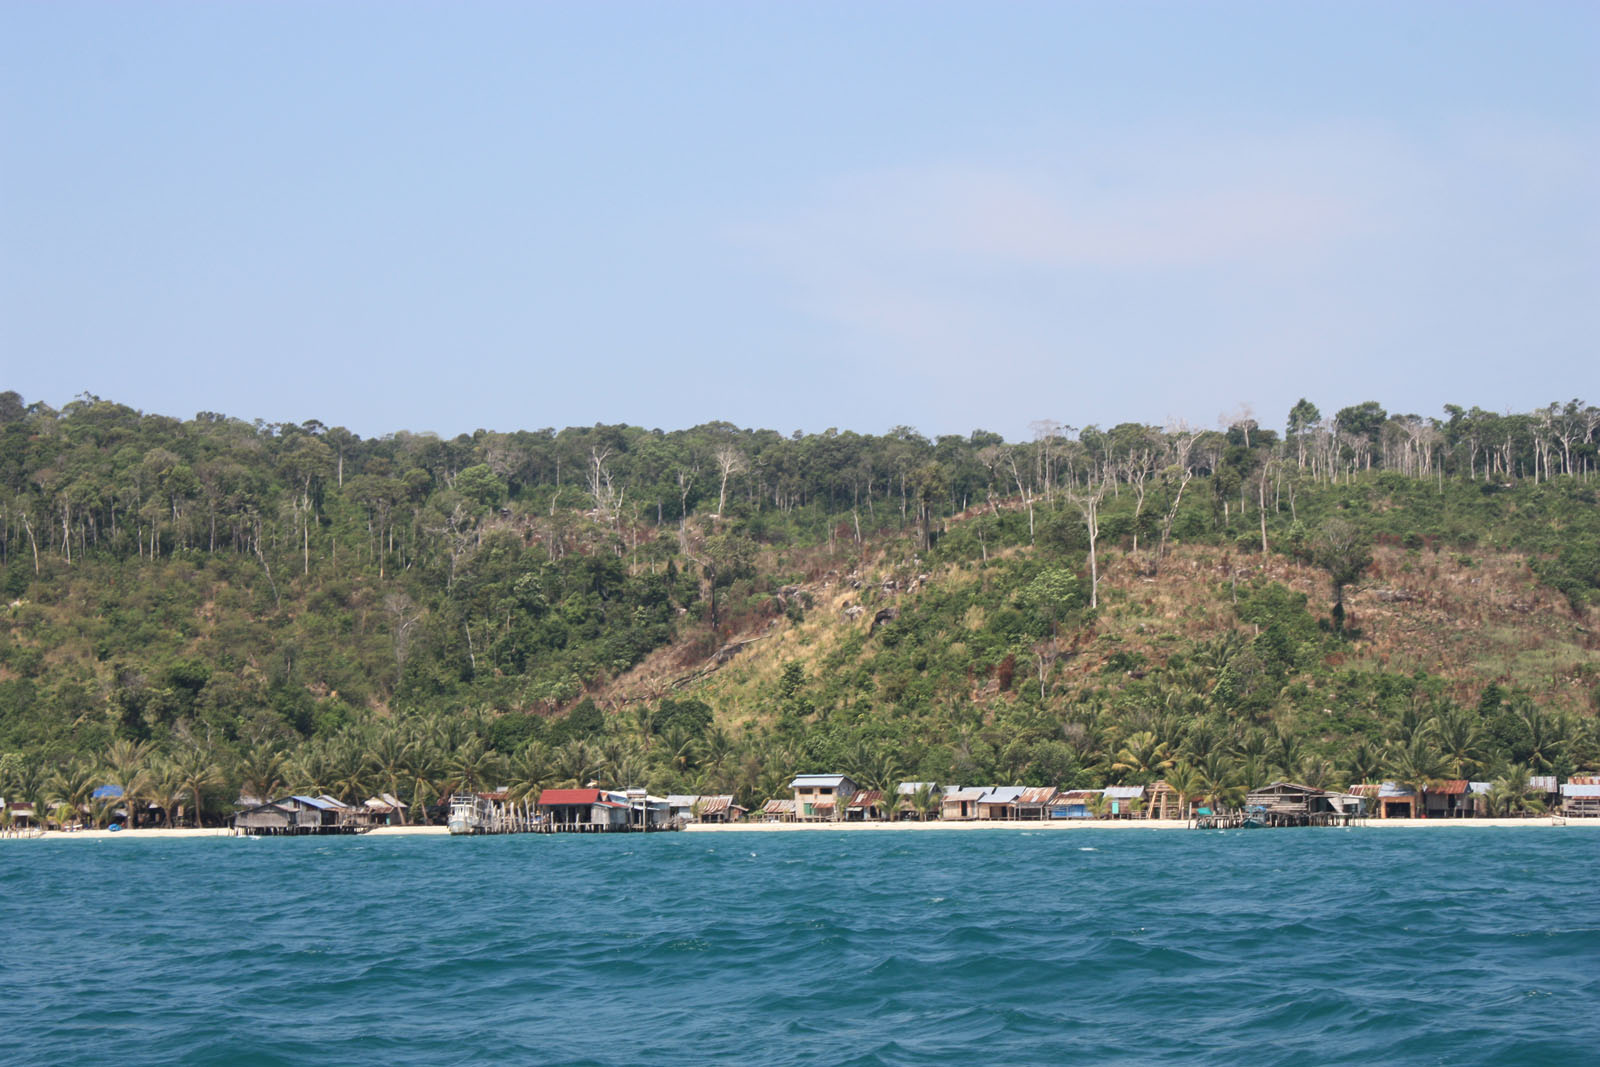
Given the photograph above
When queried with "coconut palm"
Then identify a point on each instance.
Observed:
(1509, 794)
(261, 772)
(1363, 763)
(126, 763)
(577, 762)
(472, 767)
(1185, 780)
(1418, 765)
(1460, 740)
(72, 785)
(530, 770)
(197, 772)
(1217, 781)
(925, 800)
(1143, 757)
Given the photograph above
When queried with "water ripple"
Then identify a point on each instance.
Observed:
(1287, 947)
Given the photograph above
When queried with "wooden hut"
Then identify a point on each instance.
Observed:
(779, 810)
(1034, 802)
(1293, 804)
(1449, 799)
(585, 811)
(999, 803)
(1163, 802)
(1075, 804)
(1581, 797)
(908, 794)
(960, 804)
(814, 794)
(1124, 801)
(1389, 800)
(720, 809)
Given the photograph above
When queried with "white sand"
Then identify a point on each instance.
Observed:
(1111, 824)
(1052, 825)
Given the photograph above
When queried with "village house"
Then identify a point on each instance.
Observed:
(999, 803)
(814, 794)
(720, 809)
(908, 794)
(1034, 802)
(1449, 799)
(1580, 797)
(1075, 804)
(1123, 801)
(865, 806)
(780, 810)
(961, 803)
(1293, 804)
(1389, 800)
(582, 811)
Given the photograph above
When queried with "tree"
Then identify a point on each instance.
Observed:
(1419, 766)
(1343, 552)
(196, 772)
(1087, 502)
(730, 461)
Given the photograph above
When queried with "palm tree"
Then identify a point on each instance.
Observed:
(126, 762)
(197, 772)
(1142, 756)
(1418, 766)
(1217, 781)
(530, 770)
(1364, 763)
(577, 762)
(1185, 780)
(261, 772)
(72, 785)
(925, 800)
(1460, 739)
(472, 767)
(1508, 795)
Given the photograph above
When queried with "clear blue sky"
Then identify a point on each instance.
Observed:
(866, 214)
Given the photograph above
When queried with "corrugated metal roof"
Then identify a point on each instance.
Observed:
(681, 800)
(716, 805)
(1123, 792)
(1078, 796)
(1039, 794)
(1452, 787)
(1580, 790)
(1002, 794)
(1543, 783)
(1478, 787)
(1584, 779)
(571, 796)
(866, 798)
(908, 788)
(1394, 789)
(315, 802)
(965, 795)
(803, 781)
(779, 807)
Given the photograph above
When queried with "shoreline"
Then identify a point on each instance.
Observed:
(1052, 826)
(1069, 825)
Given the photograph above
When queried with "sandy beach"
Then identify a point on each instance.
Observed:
(1069, 825)
(1051, 826)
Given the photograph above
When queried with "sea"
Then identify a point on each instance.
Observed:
(1312, 946)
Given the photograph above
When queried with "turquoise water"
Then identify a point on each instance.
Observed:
(1286, 946)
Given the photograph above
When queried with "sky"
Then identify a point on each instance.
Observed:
(950, 216)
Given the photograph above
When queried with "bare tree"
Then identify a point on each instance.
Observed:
(607, 497)
(1088, 504)
(730, 461)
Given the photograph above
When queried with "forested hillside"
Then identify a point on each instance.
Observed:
(207, 605)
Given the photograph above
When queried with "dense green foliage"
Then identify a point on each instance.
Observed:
(280, 605)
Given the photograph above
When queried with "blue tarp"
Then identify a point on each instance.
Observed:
(107, 792)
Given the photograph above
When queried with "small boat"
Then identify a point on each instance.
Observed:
(470, 814)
